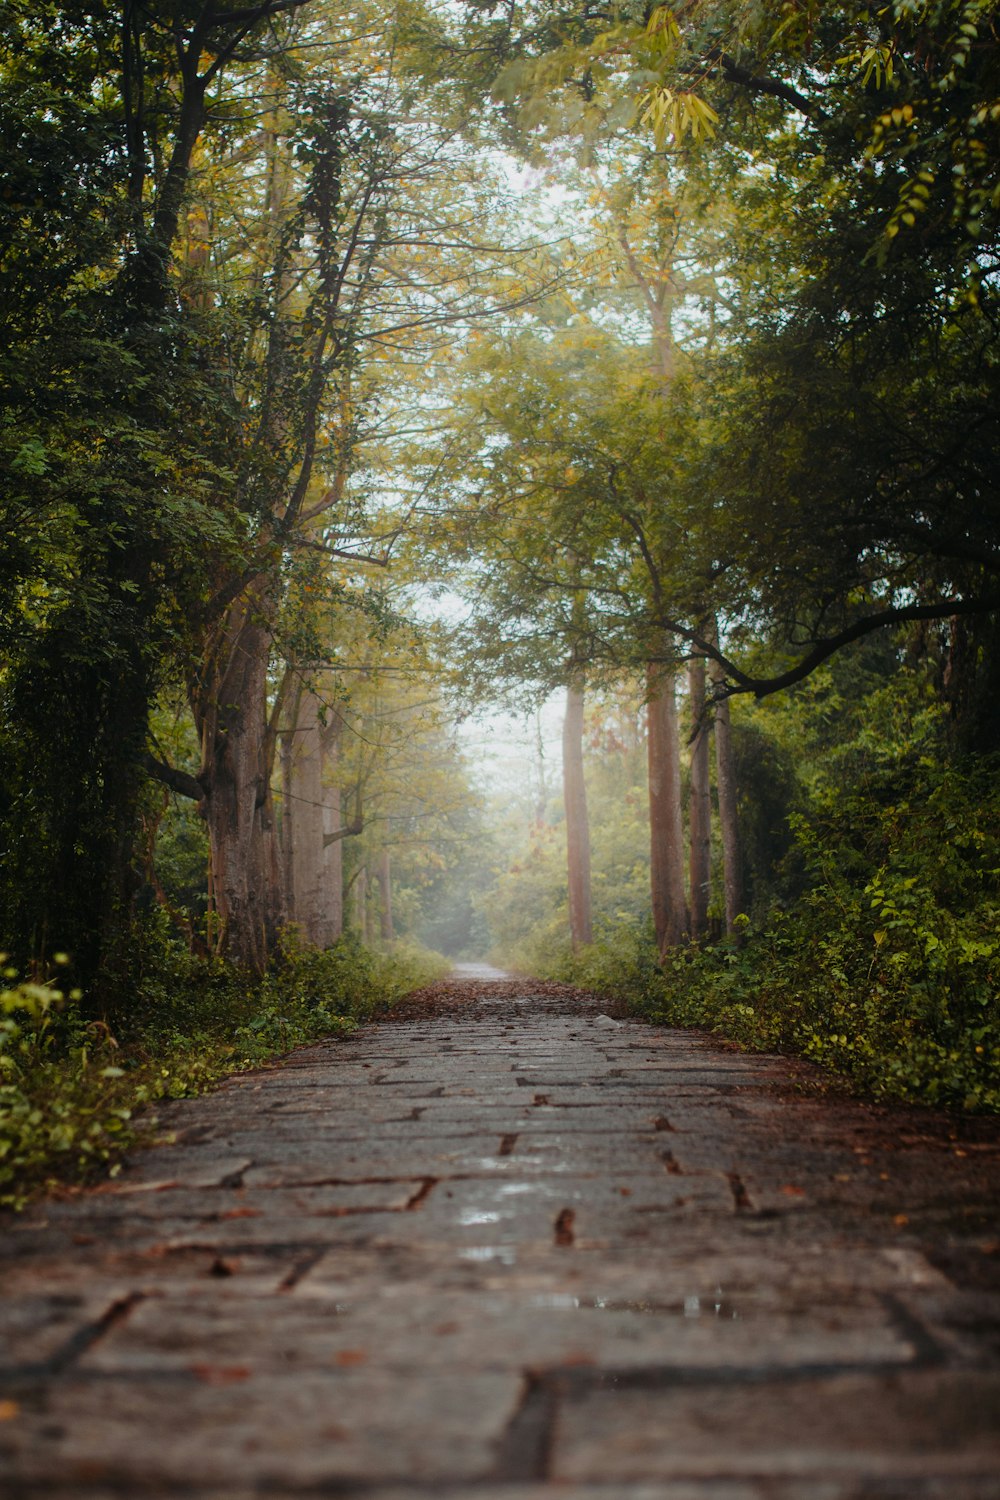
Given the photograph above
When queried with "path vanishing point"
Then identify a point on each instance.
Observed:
(506, 1247)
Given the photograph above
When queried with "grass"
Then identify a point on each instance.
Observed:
(75, 1094)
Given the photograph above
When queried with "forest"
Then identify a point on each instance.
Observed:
(378, 377)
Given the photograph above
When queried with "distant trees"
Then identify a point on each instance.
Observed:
(764, 418)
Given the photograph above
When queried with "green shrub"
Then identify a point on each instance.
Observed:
(70, 1090)
(886, 970)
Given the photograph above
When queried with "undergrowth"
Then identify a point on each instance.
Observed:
(74, 1094)
(886, 969)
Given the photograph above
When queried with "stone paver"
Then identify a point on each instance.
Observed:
(514, 1251)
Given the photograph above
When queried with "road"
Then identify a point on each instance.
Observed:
(507, 1247)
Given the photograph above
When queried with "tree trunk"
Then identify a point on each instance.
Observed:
(312, 833)
(577, 825)
(700, 802)
(361, 904)
(666, 828)
(306, 853)
(385, 896)
(728, 819)
(332, 926)
(231, 710)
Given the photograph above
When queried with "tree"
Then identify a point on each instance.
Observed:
(133, 465)
(312, 826)
(577, 823)
(855, 145)
(330, 264)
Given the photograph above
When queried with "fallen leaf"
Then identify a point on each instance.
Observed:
(347, 1357)
(221, 1374)
(791, 1191)
(222, 1267)
(241, 1213)
(9, 1410)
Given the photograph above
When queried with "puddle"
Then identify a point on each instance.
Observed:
(694, 1306)
(505, 1254)
(709, 1307)
(479, 1216)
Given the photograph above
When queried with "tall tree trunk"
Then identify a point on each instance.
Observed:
(312, 824)
(577, 824)
(541, 785)
(286, 739)
(666, 827)
(231, 709)
(361, 904)
(725, 781)
(254, 879)
(700, 802)
(385, 896)
(306, 818)
(332, 926)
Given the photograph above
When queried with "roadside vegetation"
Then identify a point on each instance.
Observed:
(74, 1095)
(883, 969)
(870, 939)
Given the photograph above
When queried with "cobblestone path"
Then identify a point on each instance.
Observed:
(509, 1249)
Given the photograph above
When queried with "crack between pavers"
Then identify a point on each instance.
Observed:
(741, 1198)
(300, 1269)
(311, 1182)
(579, 1383)
(524, 1451)
(929, 1352)
(357, 1487)
(235, 1179)
(422, 1194)
(76, 1345)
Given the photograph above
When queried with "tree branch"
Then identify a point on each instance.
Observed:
(178, 781)
(758, 84)
(249, 15)
(762, 687)
(349, 831)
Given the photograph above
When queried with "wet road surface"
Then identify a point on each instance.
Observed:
(507, 1248)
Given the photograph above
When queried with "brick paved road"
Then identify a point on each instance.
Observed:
(515, 1251)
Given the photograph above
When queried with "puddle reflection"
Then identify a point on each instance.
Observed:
(693, 1306)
